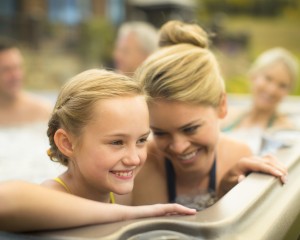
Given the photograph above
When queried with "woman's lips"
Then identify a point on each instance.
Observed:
(189, 157)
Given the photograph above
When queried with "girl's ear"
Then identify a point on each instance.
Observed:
(222, 109)
(63, 142)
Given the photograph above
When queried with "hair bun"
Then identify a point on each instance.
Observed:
(176, 32)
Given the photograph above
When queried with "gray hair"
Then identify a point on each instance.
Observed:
(146, 34)
(273, 55)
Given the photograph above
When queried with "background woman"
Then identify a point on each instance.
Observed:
(273, 75)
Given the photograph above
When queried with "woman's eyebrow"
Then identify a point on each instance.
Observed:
(197, 121)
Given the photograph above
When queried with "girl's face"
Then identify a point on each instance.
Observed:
(270, 86)
(112, 147)
(186, 134)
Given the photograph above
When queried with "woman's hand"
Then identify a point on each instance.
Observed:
(267, 164)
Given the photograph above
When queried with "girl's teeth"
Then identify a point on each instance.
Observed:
(123, 174)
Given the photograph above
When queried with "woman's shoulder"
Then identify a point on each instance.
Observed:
(155, 157)
(231, 150)
(150, 182)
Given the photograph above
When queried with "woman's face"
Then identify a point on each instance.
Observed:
(187, 134)
(270, 86)
(112, 147)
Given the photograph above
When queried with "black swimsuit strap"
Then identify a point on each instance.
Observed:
(213, 176)
(171, 179)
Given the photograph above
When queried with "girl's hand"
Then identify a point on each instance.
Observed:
(157, 210)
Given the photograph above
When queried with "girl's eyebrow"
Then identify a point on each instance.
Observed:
(125, 134)
(146, 134)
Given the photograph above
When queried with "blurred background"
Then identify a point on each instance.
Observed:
(60, 38)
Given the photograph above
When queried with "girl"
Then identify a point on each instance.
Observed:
(98, 129)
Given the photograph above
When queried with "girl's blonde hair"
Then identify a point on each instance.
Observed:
(183, 69)
(74, 106)
(274, 55)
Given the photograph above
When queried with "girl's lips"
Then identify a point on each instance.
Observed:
(124, 175)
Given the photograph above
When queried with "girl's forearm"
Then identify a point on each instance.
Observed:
(29, 207)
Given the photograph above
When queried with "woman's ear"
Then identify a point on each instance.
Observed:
(63, 142)
(222, 109)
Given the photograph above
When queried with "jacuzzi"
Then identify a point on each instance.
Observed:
(258, 208)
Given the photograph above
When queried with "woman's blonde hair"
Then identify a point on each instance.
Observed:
(74, 106)
(183, 69)
(274, 55)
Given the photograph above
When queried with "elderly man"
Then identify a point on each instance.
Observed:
(16, 106)
(135, 42)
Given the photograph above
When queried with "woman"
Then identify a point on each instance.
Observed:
(188, 156)
(273, 75)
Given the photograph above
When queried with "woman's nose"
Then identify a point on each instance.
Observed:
(178, 145)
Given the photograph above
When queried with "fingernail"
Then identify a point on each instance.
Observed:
(241, 178)
(284, 179)
(278, 173)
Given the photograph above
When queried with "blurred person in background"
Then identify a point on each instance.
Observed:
(273, 75)
(17, 106)
(135, 42)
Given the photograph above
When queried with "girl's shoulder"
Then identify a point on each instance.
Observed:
(53, 184)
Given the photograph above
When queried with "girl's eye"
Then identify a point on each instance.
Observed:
(117, 142)
(190, 130)
(142, 140)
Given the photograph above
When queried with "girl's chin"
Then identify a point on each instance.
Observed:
(123, 190)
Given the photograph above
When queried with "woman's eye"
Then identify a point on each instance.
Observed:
(158, 134)
(117, 142)
(191, 129)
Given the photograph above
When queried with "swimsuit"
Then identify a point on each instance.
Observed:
(229, 128)
(61, 182)
(171, 180)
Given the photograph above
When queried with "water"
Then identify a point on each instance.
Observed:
(23, 152)
(23, 148)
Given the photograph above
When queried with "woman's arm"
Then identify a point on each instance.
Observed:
(29, 207)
